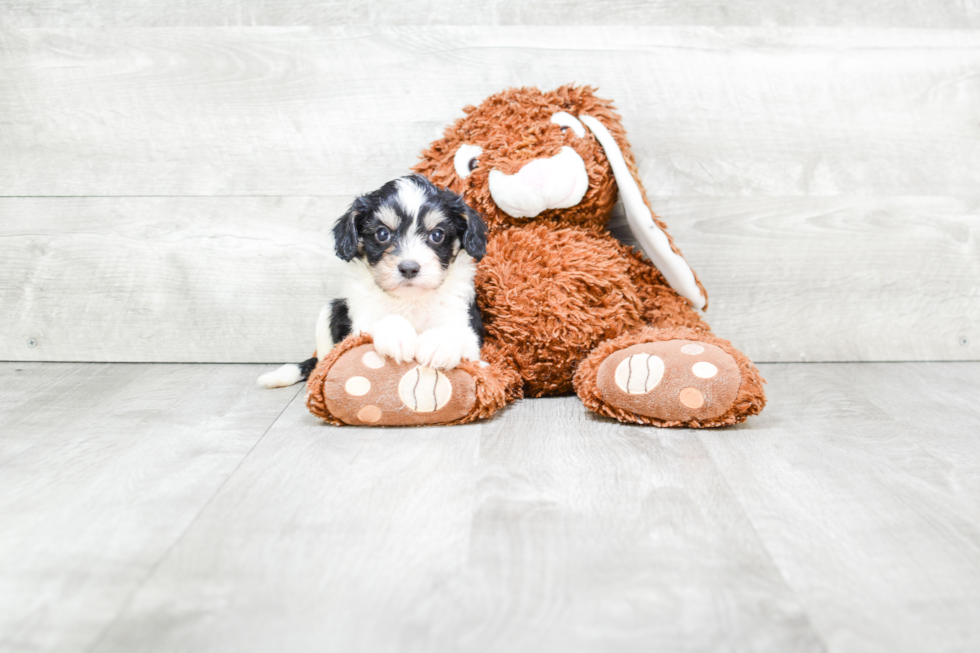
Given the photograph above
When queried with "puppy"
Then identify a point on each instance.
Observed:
(412, 249)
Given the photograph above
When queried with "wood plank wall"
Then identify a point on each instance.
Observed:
(169, 171)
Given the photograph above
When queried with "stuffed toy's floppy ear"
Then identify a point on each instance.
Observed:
(653, 240)
(345, 238)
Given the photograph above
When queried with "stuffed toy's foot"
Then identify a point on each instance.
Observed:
(355, 385)
(655, 377)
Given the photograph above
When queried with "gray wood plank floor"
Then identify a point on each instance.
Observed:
(176, 507)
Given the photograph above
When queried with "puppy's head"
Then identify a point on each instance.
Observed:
(408, 233)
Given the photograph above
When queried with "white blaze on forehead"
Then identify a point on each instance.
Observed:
(411, 197)
(413, 248)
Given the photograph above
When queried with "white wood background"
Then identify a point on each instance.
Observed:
(182, 13)
(169, 171)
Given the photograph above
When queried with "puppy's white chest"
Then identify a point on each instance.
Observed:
(446, 306)
(422, 315)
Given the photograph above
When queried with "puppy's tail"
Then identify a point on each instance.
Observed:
(288, 374)
(292, 373)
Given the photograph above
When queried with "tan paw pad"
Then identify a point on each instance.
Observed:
(370, 414)
(425, 390)
(704, 370)
(691, 397)
(357, 386)
(674, 381)
(364, 388)
(639, 374)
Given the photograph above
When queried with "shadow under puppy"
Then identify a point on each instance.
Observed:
(412, 249)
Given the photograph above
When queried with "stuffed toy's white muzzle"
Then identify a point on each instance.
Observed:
(559, 182)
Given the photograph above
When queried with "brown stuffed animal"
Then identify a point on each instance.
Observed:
(566, 307)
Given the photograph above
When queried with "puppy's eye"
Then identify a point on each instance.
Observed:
(473, 163)
(382, 235)
(564, 128)
(437, 236)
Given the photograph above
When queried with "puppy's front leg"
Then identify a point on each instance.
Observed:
(394, 337)
(444, 347)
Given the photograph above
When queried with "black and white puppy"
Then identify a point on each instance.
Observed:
(411, 249)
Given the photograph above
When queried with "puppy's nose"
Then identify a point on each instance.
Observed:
(409, 269)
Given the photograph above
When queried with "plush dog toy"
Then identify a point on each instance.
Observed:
(566, 307)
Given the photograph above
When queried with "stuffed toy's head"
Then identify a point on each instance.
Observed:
(526, 156)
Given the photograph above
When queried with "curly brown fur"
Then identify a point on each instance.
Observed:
(662, 307)
(496, 385)
(556, 286)
(749, 401)
(515, 127)
(549, 296)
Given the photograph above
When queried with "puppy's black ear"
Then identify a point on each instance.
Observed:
(345, 238)
(475, 236)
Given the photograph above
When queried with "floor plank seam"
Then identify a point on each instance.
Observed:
(792, 590)
(166, 554)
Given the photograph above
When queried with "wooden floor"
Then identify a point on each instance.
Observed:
(179, 508)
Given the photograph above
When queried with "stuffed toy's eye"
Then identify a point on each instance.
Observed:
(382, 235)
(566, 121)
(466, 159)
(437, 236)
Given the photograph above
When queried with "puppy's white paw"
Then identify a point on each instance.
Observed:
(444, 348)
(395, 338)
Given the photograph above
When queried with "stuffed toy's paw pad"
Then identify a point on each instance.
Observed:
(364, 388)
(673, 380)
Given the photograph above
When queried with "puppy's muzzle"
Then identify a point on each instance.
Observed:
(409, 269)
